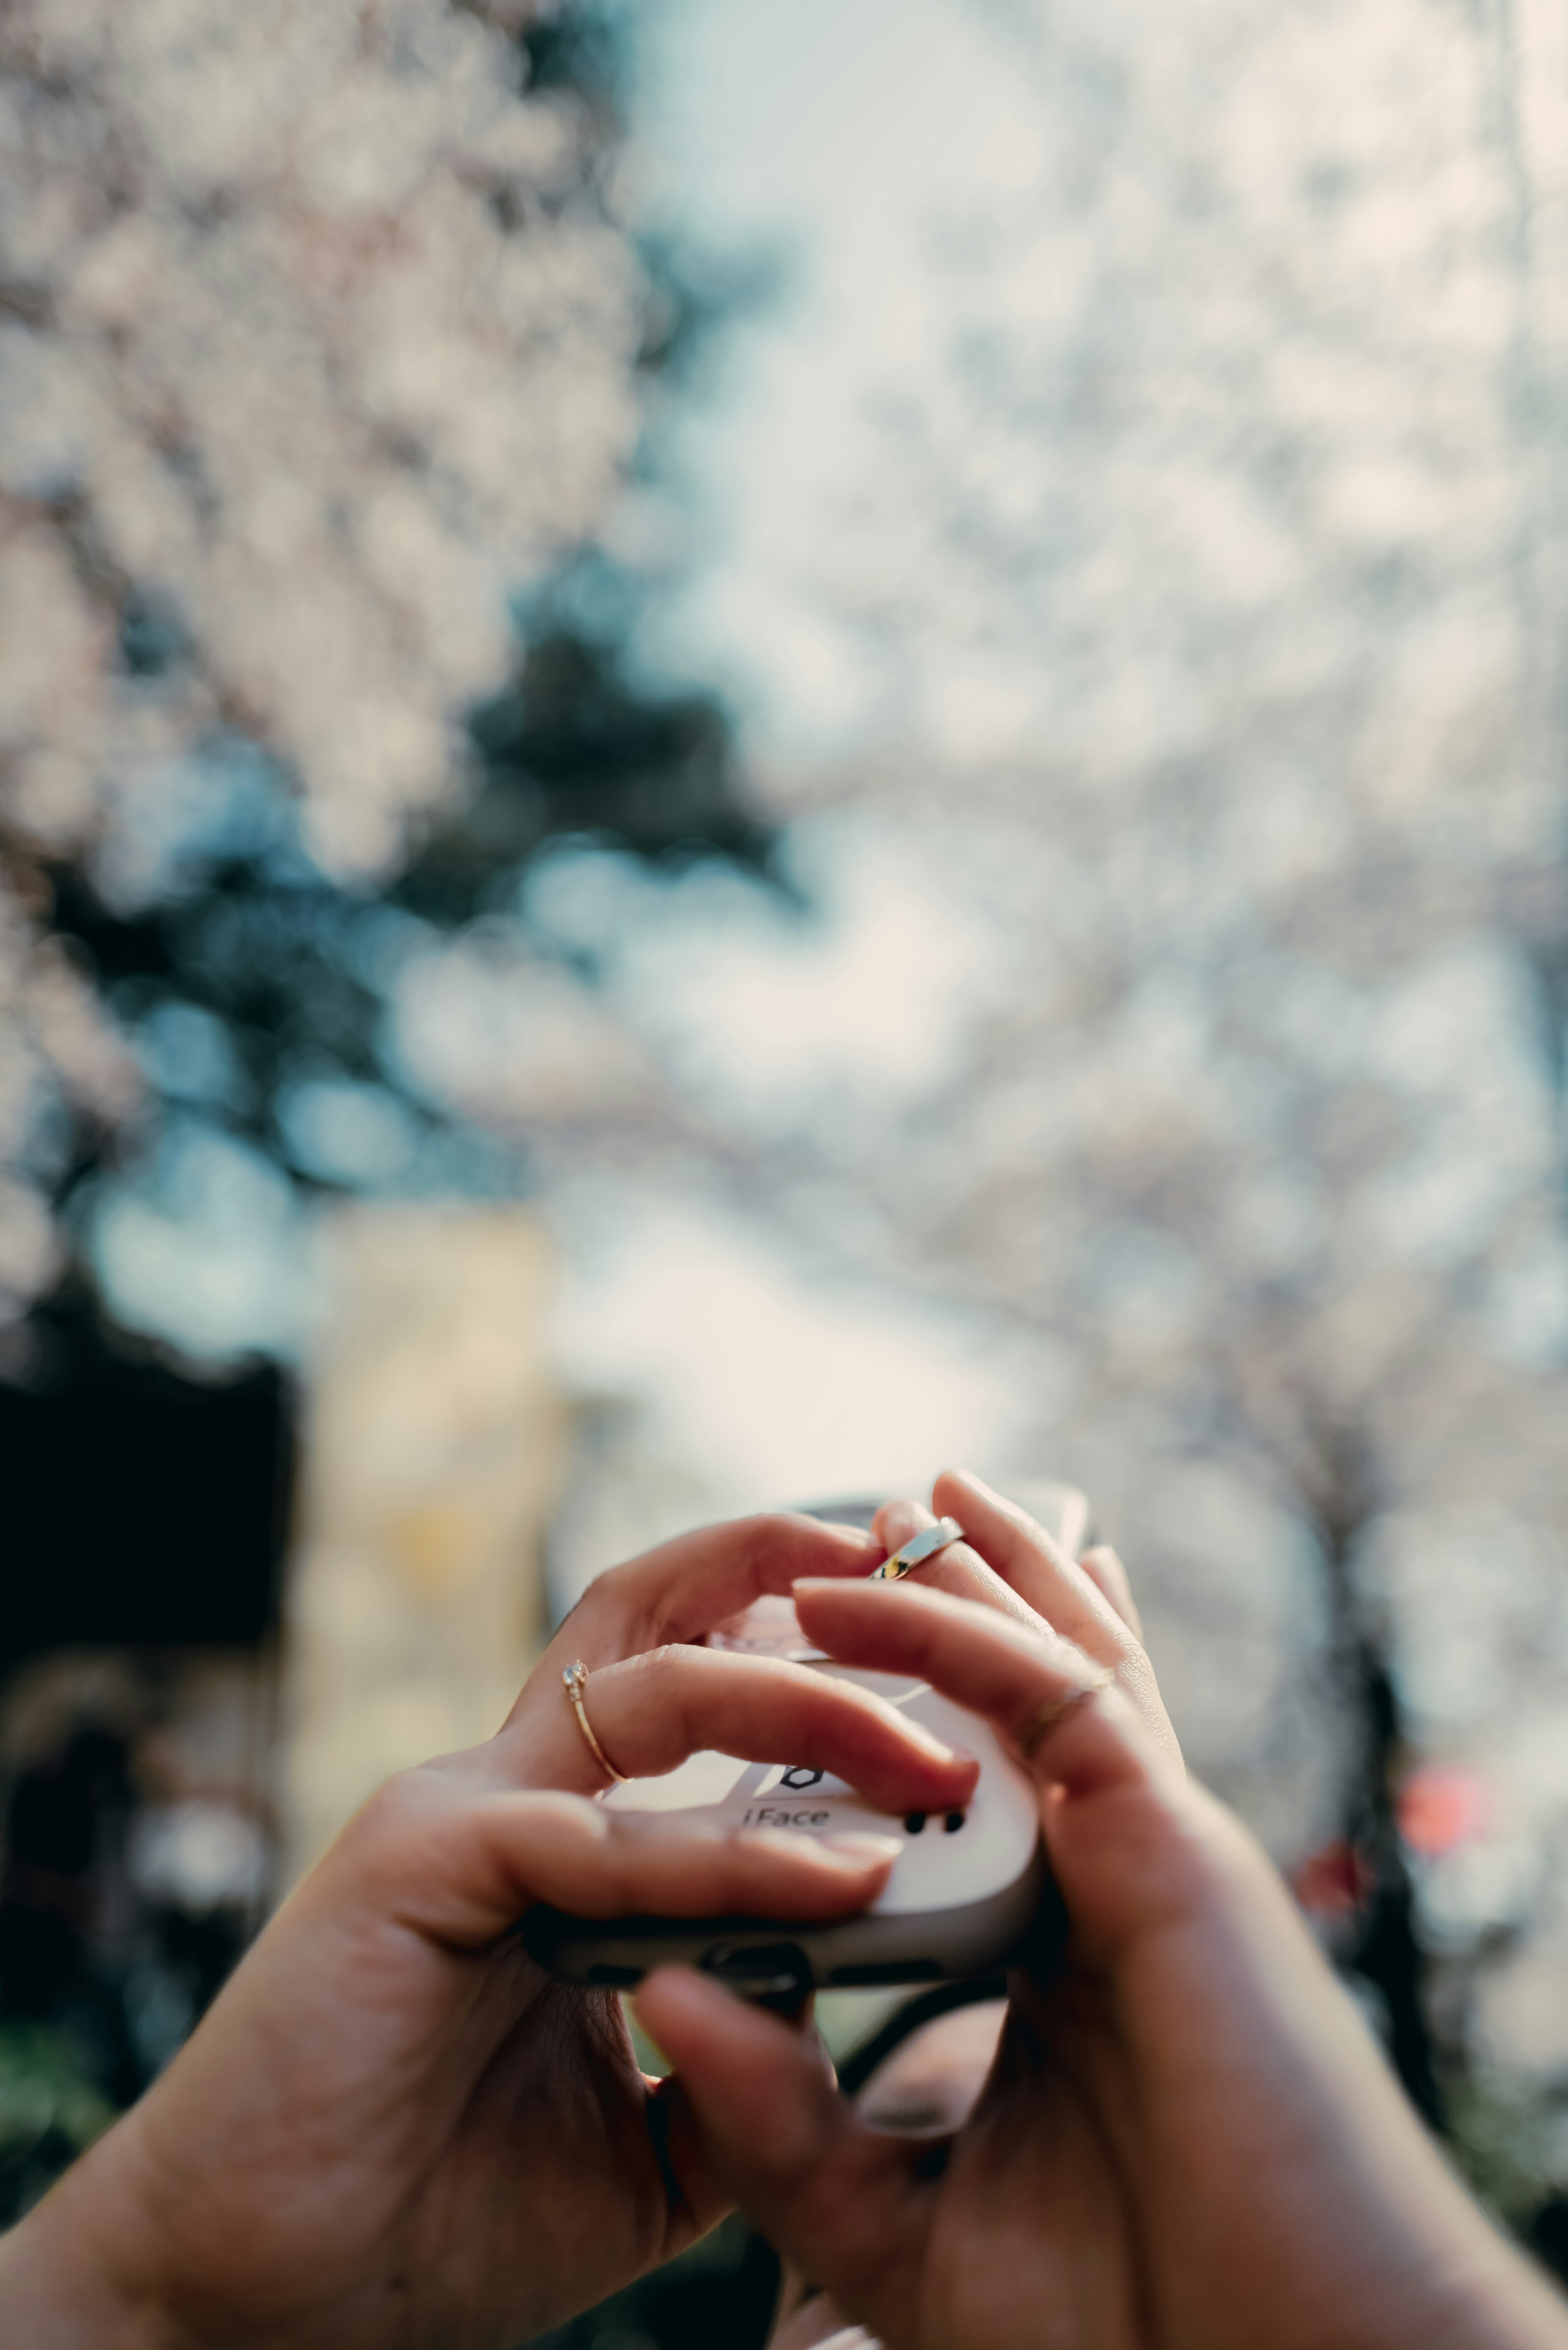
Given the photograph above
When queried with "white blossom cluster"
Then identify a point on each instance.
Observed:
(316, 344)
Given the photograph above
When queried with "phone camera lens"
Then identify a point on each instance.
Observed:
(953, 1822)
(914, 1822)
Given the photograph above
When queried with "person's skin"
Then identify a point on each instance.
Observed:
(1190, 2138)
(926, 2087)
(932, 2081)
(1015, 1566)
(391, 2128)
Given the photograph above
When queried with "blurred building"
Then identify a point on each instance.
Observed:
(186, 1721)
(138, 1731)
(434, 1443)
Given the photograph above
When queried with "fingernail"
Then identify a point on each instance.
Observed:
(862, 1847)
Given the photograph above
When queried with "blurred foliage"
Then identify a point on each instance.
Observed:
(283, 962)
(575, 746)
(49, 2112)
(1500, 2131)
(203, 916)
(577, 48)
(721, 2291)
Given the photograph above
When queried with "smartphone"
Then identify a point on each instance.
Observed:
(970, 1890)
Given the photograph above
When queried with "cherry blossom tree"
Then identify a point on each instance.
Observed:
(319, 330)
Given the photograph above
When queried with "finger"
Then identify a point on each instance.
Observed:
(897, 1522)
(989, 1664)
(650, 1711)
(1059, 1589)
(959, 1568)
(690, 2157)
(1106, 1570)
(1061, 1510)
(1036, 1566)
(462, 1869)
(843, 2200)
(685, 1587)
(1129, 1841)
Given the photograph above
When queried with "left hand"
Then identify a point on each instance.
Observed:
(391, 2126)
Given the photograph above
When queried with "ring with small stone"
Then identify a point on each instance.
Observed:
(575, 1679)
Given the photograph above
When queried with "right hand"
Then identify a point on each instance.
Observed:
(1010, 1563)
(1190, 2138)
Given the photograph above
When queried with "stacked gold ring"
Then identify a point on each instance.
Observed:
(1044, 1719)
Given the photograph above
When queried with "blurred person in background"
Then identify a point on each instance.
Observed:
(390, 2128)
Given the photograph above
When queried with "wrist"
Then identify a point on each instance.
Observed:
(63, 2286)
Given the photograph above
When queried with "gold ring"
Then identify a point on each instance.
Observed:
(575, 1678)
(1044, 1719)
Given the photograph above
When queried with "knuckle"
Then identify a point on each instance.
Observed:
(770, 1531)
(610, 1587)
(777, 1526)
(835, 1702)
(397, 1800)
(664, 1658)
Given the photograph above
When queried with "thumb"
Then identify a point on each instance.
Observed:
(841, 2199)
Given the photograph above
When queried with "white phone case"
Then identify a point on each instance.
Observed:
(969, 1892)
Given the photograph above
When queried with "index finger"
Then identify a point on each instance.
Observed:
(1065, 1592)
(1039, 1567)
(957, 1567)
(687, 1586)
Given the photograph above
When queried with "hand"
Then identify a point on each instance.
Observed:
(1011, 1564)
(391, 2128)
(1189, 2139)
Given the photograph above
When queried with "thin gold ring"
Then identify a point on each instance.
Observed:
(575, 1679)
(1044, 1719)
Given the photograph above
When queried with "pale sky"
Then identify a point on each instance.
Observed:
(839, 136)
(842, 137)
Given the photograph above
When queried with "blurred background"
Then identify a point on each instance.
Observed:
(743, 749)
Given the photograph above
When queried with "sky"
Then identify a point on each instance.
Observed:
(837, 140)
(841, 141)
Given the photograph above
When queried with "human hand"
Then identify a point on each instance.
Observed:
(1190, 2138)
(1010, 1563)
(391, 2126)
